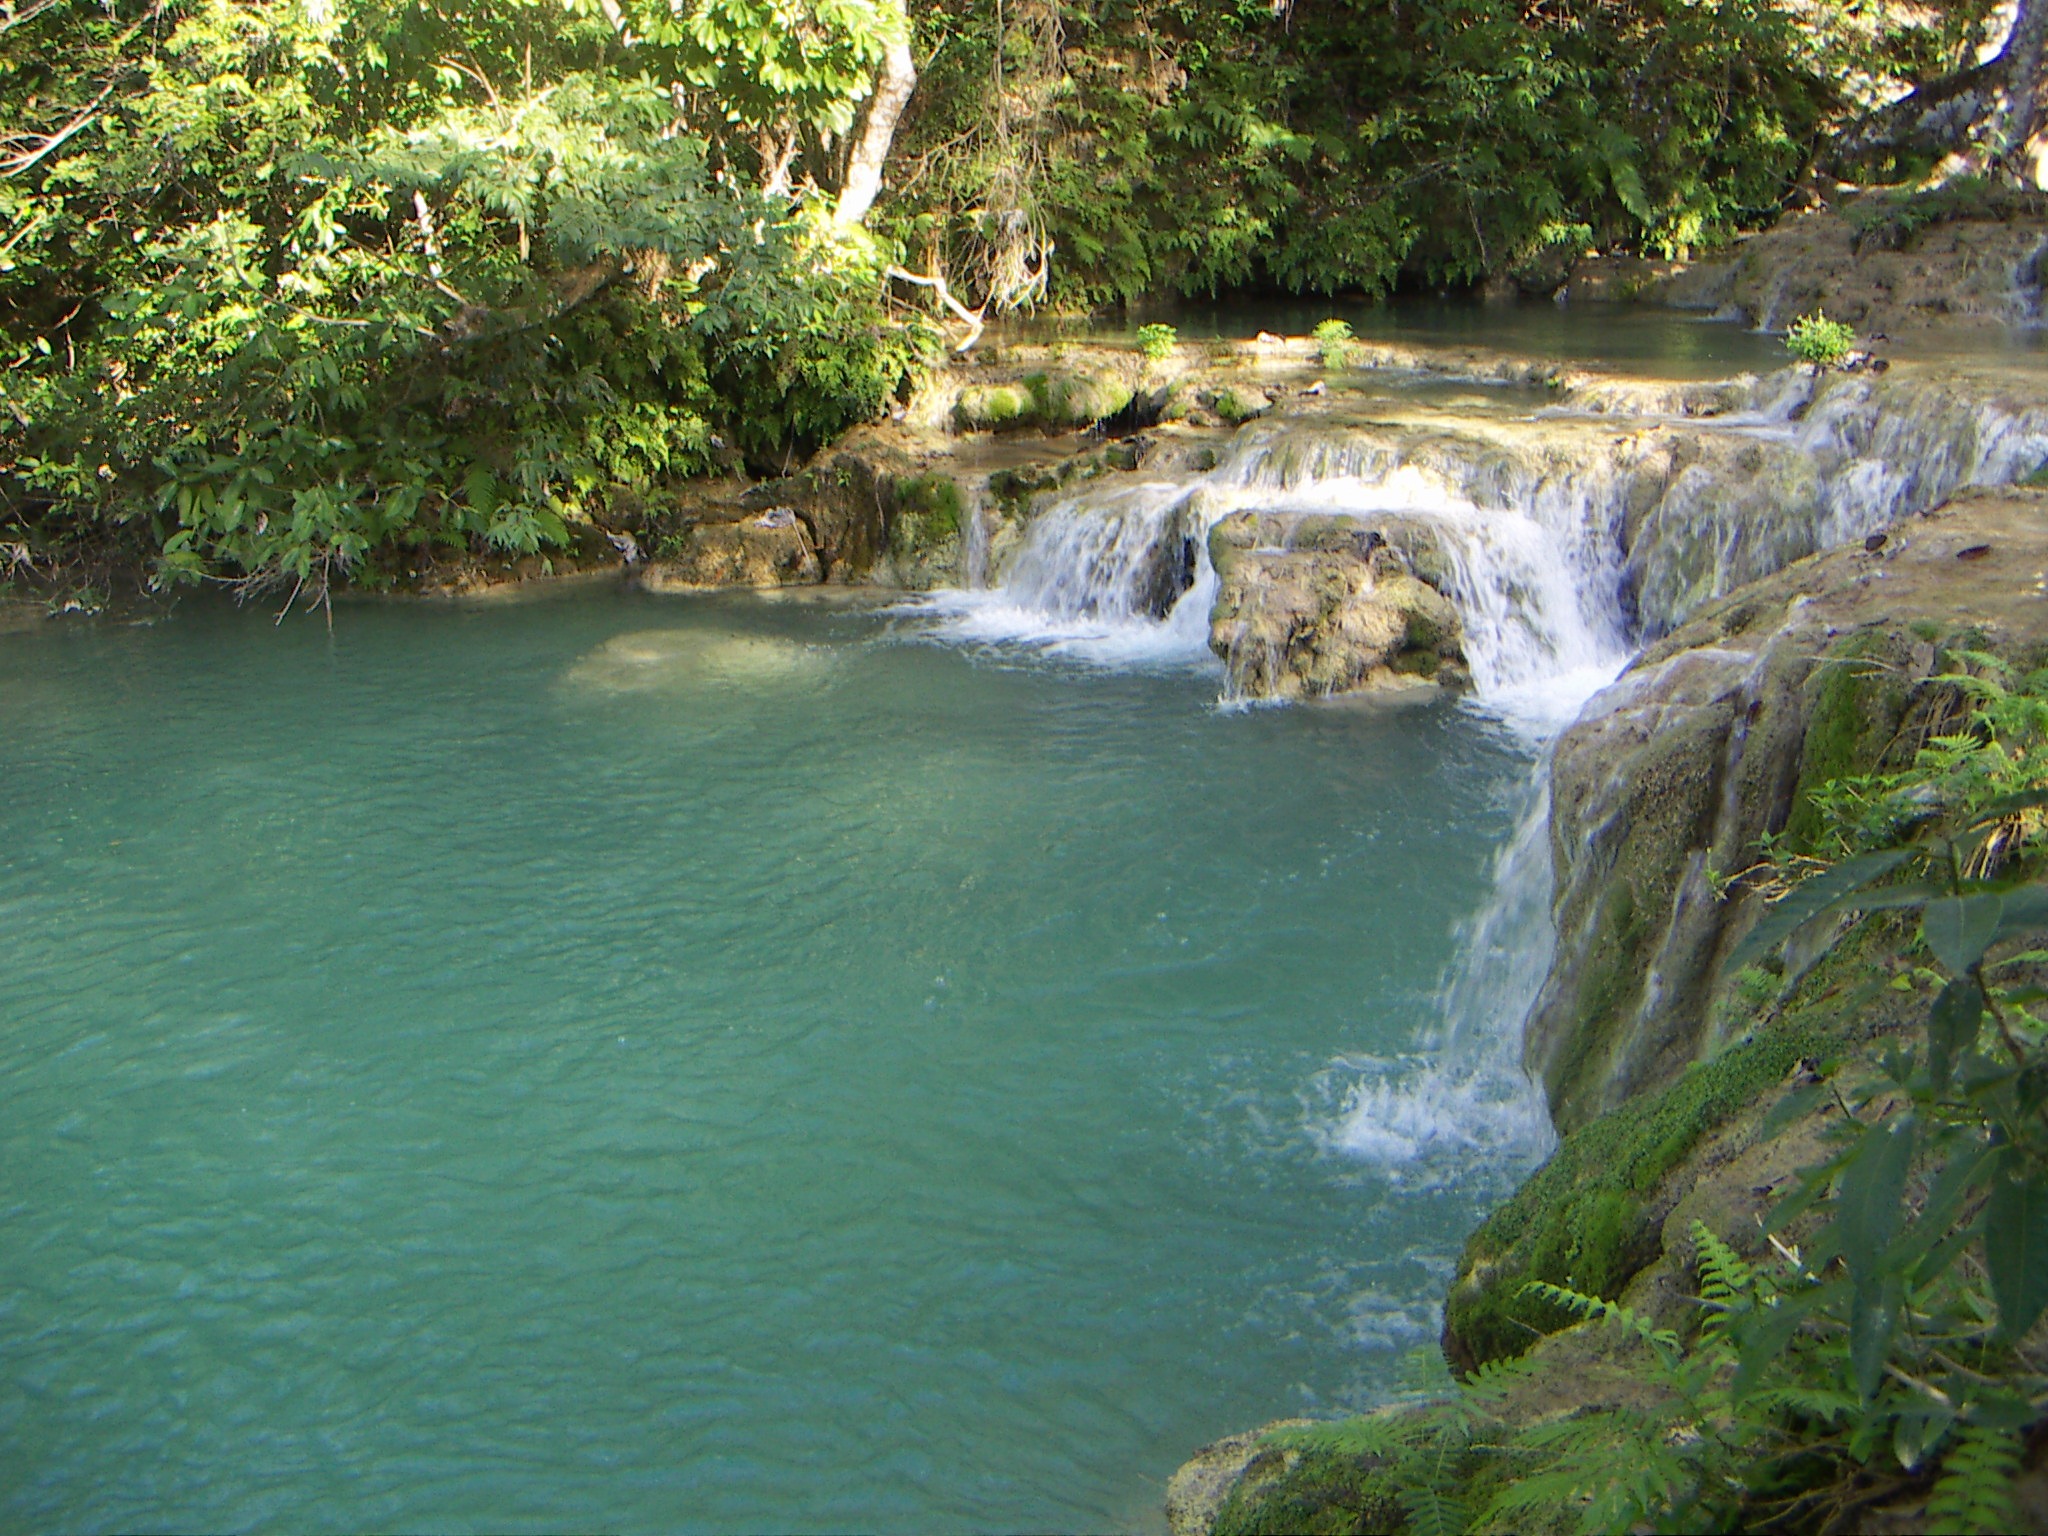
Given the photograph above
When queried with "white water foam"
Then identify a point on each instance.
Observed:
(1089, 580)
(1461, 1107)
(1533, 538)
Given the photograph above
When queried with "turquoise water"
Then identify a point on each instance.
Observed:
(695, 1065)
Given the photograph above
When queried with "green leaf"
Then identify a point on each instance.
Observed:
(1867, 1200)
(1965, 1170)
(1833, 888)
(1960, 928)
(2008, 805)
(1794, 1106)
(1952, 1027)
(2016, 1250)
(1873, 1320)
(2022, 911)
(1765, 1334)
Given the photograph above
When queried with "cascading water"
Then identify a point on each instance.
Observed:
(1114, 575)
(1568, 537)
(1462, 1104)
(1535, 571)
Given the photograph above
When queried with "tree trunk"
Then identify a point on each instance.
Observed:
(2012, 145)
(1988, 116)
(864, 165)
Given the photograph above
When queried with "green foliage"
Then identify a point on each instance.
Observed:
(1157, 341)
(1853, 719)
(1198, 146)
(1820, 341)
(1887, 221)
(314, 292)
(1586, 1219)
(1769, 1416)
(1974, 1492)
(1333, 340)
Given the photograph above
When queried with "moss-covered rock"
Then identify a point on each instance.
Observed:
(1885, 262)
(1014, 488)
(1309, 606)
(1078, 399)
(1855, 708)
(1713, 738)
(927, 521)
(1312, 1491)
(994, 407)
(769, 549)
(1207, 402)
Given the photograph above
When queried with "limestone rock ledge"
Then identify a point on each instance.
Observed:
(1873, 264)
(1709, 739)
(1310, 605)
(1671, 1095)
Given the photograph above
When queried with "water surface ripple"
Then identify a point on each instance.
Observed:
(710, 1065)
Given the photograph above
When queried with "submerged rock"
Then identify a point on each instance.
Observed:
(1308, 606)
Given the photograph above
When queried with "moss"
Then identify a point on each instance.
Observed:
(934, 500)
(927, 515)
(1859, 699)
(1590, 1217)
(1325, 1492)
(1077, 399)
(992, 407)
(1014, 488)
(1235, 408)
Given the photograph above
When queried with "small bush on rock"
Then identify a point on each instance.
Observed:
(1157, 341)
(1820, 341)
(1334, 337)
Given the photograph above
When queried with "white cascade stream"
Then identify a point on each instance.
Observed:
(1533, 530)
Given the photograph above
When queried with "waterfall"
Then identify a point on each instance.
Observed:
(1120, 573)
(1569, 536)
(1115, 575)
(1461, 1107)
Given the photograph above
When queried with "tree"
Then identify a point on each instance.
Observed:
(1983, 119)
(863, 181)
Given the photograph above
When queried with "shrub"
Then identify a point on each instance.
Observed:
(1820, 341)
(1157, 341)
(1333, 337)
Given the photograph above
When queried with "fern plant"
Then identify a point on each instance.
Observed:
(1333, 339)
(1157, 341)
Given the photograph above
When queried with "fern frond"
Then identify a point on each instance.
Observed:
(1486, 1387)
(1727, 1282)
(1974, 1491)
(1822, 1403)
(1368, 1435)
(1431, 1511)
(1599, 1309)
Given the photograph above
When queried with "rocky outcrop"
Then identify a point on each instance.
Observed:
(772, 548)
(1872, 263)
(1308, 606)
(1197, 1492)
(1663, 787)
(871, 512)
